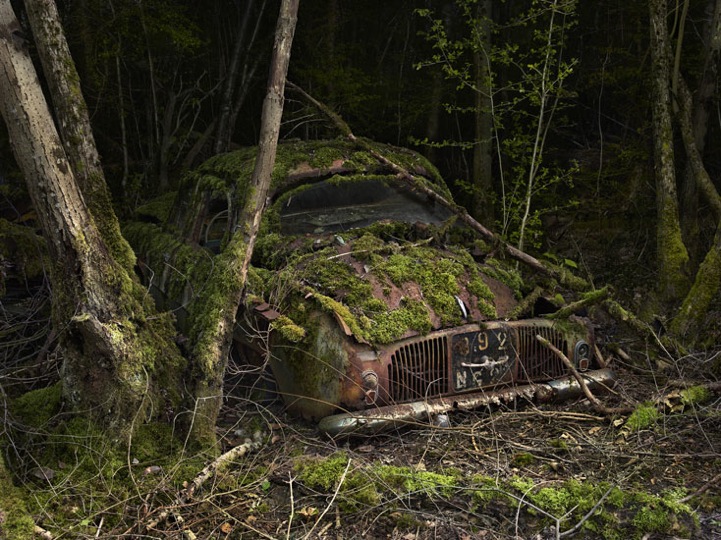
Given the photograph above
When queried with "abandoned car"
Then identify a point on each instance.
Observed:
(371, 305)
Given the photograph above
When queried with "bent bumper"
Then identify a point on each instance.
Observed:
(380, 419)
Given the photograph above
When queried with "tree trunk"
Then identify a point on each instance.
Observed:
(701, 109)
(74, 124)
(707, 282)
(222, 138)
(482, 151)
(671, 254)
(119, 365)
(214, 317)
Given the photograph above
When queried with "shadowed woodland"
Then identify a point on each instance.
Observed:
(578, 143)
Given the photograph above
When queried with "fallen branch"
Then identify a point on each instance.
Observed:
(597, 405)
(588, 299)
(713, 482)
(220, 463)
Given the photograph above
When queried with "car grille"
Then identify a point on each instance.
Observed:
(537, 362)
(419, 370)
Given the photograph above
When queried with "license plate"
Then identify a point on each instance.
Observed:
(482, 358)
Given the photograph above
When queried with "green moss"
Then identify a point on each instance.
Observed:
(25, 249)
(37, 407)
(356, 492)
(289, 330)
(158, 209)
(523, 459)
(644, 417)
(404, 480)
(695, 395)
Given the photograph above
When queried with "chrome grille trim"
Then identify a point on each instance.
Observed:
(537, 362)
(419, 370)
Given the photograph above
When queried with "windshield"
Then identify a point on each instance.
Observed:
(332, 206)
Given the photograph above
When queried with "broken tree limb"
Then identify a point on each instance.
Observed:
(210, 470)
(597, 405)
(588, 299)
(563, 276)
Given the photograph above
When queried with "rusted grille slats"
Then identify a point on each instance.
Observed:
(536, 362)
(419, 370)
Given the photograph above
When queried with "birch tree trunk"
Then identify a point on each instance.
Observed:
(214, 317)
(671, 254)
(118, 365)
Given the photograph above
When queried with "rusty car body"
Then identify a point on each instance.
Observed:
(371, 305)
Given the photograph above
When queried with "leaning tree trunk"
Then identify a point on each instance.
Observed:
(671, 252)
(113, 356)
(703, 105)
(707, 283)
(74, 124)
(214, 314)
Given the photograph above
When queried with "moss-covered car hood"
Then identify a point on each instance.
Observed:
(387, 279)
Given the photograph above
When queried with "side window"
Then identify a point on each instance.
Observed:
(215, 225)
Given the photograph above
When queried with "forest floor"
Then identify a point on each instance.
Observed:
(521, 472)
(527, 472)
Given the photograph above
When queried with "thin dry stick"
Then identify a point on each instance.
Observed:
(330, 503)
(600, 407)
(585, 518)
(292, 505)
(713, 482)
(210, 470)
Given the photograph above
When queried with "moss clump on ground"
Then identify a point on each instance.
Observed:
(74, 473)
(405, 480)
(16, 523)
(618, 513)
(356, 490)
(37, 407)
(645, 416)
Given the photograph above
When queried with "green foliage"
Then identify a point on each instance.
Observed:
(525, 85)
(695, 395)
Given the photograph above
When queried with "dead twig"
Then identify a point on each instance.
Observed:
(713, 482)
(220, 463)
(330, 503)
(585, 518)
(597, 405)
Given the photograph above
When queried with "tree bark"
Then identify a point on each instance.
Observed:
(707, 282)
(671, 254)
(74, 124)
(113, 355)
(214, 317)
(700, 110)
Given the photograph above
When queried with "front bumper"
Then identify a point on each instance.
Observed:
(424, 412)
